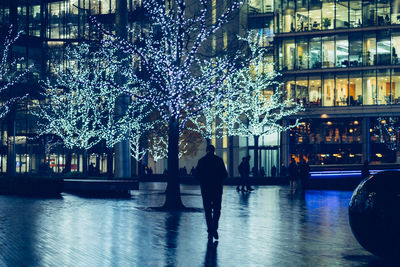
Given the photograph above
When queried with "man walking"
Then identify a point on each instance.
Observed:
(211, 171)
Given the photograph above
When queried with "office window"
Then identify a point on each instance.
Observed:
(383, 12)
(395, 47)
(328, 52)
(355, 55)
(395, 5)
(328, 14)
(34, 20)
(355, 13)
(342, 51)
(396, 86)
(291, 89)
(302, 90)
(384, 96)
(328, 95)
(369, 49)
(105, 6)
(383, 47)
(315, 15)
(342, 90)
(369, 12)
(369, 88)
(342, 14)
(315, 53)
(255, 6)
(288, 20)
(315, 90)
(302, 15)
(302, 53)
(288, 52)
(355, 89)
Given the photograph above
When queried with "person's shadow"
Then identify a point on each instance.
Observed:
(210, 259)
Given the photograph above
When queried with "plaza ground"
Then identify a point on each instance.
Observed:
(268, 227)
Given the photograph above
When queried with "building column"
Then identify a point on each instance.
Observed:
(122, 153)
(365, 139)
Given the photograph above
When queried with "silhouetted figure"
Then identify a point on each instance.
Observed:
(242, 179)
(247, 174)
(91, 169)
(165, 172)
(149, 171)
(365, 170)
(262, 172)
(293, 174)
(283, 171)
(304, 173)
(273, 171)
(211, 171)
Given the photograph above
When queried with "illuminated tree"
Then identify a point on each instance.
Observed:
(80, 101)
(387, 131)
(178, 81)
(254, 106)
(9, 73)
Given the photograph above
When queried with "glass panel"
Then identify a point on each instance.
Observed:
(315, 53)
(369, 88)
(396, 86)
(369, 49)
(328, 93)
(302, 90)
(383, 12)
(369, 12)
(328, 14)
(255, 7)
(290, 89)
(355, 57)
(383, 47)
(395, 47)
(34, 20)
(315, 90)
(355, 13)
(315, 15)
(302, 54)
(342, 90)
(105, 6)
(288, 16)
(288, 50)
(384, 94)
(342, 51)
(395, 11)
(342, 14)
(328, 52)
(302, 15)
(355, 89)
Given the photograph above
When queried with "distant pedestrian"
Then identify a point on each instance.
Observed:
(242, 179)
(262, 172)
(365, 170)
(304, 173)
(273, 171)
(192, 171)
(293, 174)
(210, 172)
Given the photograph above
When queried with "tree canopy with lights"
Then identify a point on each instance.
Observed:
(179, 80)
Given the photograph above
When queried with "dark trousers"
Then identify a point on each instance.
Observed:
(212, 209)
(242, 181)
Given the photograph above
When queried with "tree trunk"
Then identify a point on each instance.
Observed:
(68, 160)
(11, 155)
(255, 173)
(110, 162)
(173, 195)
(85, 162)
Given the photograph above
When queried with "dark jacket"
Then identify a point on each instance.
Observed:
(210, 172)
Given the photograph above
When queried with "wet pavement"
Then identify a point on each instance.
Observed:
(268, 227)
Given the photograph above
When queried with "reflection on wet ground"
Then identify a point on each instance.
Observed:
(268, 227)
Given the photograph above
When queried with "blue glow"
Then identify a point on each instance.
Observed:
(343, 174)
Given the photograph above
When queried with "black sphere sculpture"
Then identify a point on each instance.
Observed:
(374, 214)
